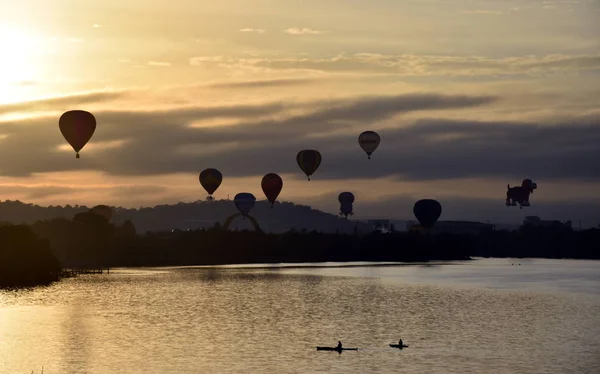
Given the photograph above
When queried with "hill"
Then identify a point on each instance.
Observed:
(283, 217)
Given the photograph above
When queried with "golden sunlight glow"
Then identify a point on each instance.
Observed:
(220, 84)
(91, 147)
(17, 67)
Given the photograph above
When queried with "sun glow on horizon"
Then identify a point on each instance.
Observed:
(179, 86)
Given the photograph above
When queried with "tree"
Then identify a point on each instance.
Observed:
(129, 228)
(25, 258)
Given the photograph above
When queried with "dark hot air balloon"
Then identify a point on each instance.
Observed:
(346, 209)
(346, 200)
(520, 194)
(244, 201)
(309, 161)
(271, 185)
(77, 126)
(346, 197)
(210, 179)
(427, 212)
(369, 141)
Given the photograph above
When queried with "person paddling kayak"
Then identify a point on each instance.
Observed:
(401, 343)
(339, 346)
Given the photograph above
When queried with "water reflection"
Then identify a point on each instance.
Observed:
(75, 339)
(213, 320)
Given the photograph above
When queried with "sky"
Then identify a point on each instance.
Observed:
(468, 97)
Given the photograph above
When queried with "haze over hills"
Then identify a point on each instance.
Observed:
(283, 217)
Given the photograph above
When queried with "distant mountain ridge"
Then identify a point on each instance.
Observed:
(281, 218)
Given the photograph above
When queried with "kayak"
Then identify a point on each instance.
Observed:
(335, 349)
(398, 346)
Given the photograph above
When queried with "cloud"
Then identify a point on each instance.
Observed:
(198, 61)
(438, 149)
(97, 26)
(61, 102)
(496, 12)
(485, 12)
(128, 191)
(261, 136)
(159, 64)
(262, 83)
(35, 192)
(26, 83)
(266, 137)
(302, 31)
(413, 65)
(257, 31)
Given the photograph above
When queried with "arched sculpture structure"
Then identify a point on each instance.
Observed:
(231, 218)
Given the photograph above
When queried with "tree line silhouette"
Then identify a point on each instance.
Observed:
(25, 258)
(34, 254)
(193, 215)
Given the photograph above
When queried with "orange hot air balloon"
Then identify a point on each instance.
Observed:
(271, 185)
(77, 126)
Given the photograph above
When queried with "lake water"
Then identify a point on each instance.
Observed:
(485, 316)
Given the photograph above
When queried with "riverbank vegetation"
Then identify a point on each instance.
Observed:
(34, 254)
(25, 258)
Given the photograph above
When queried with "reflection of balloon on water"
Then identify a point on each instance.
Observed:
(271, 185)
(77, 126)
(427, 212)
(103, 210)
(244, 201)
(369, 141)
(309, 161)
(210, 179)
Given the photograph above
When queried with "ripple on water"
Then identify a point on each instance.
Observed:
(270, 321)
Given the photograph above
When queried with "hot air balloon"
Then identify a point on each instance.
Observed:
(271, 185)
(427, 212)
(77, 126)
(520, 194)
(369, 141)
(346, 209)
(346, 200)
(244, 201)
(346, 197)
(103, 210)
(210, 179)
(309, 161)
